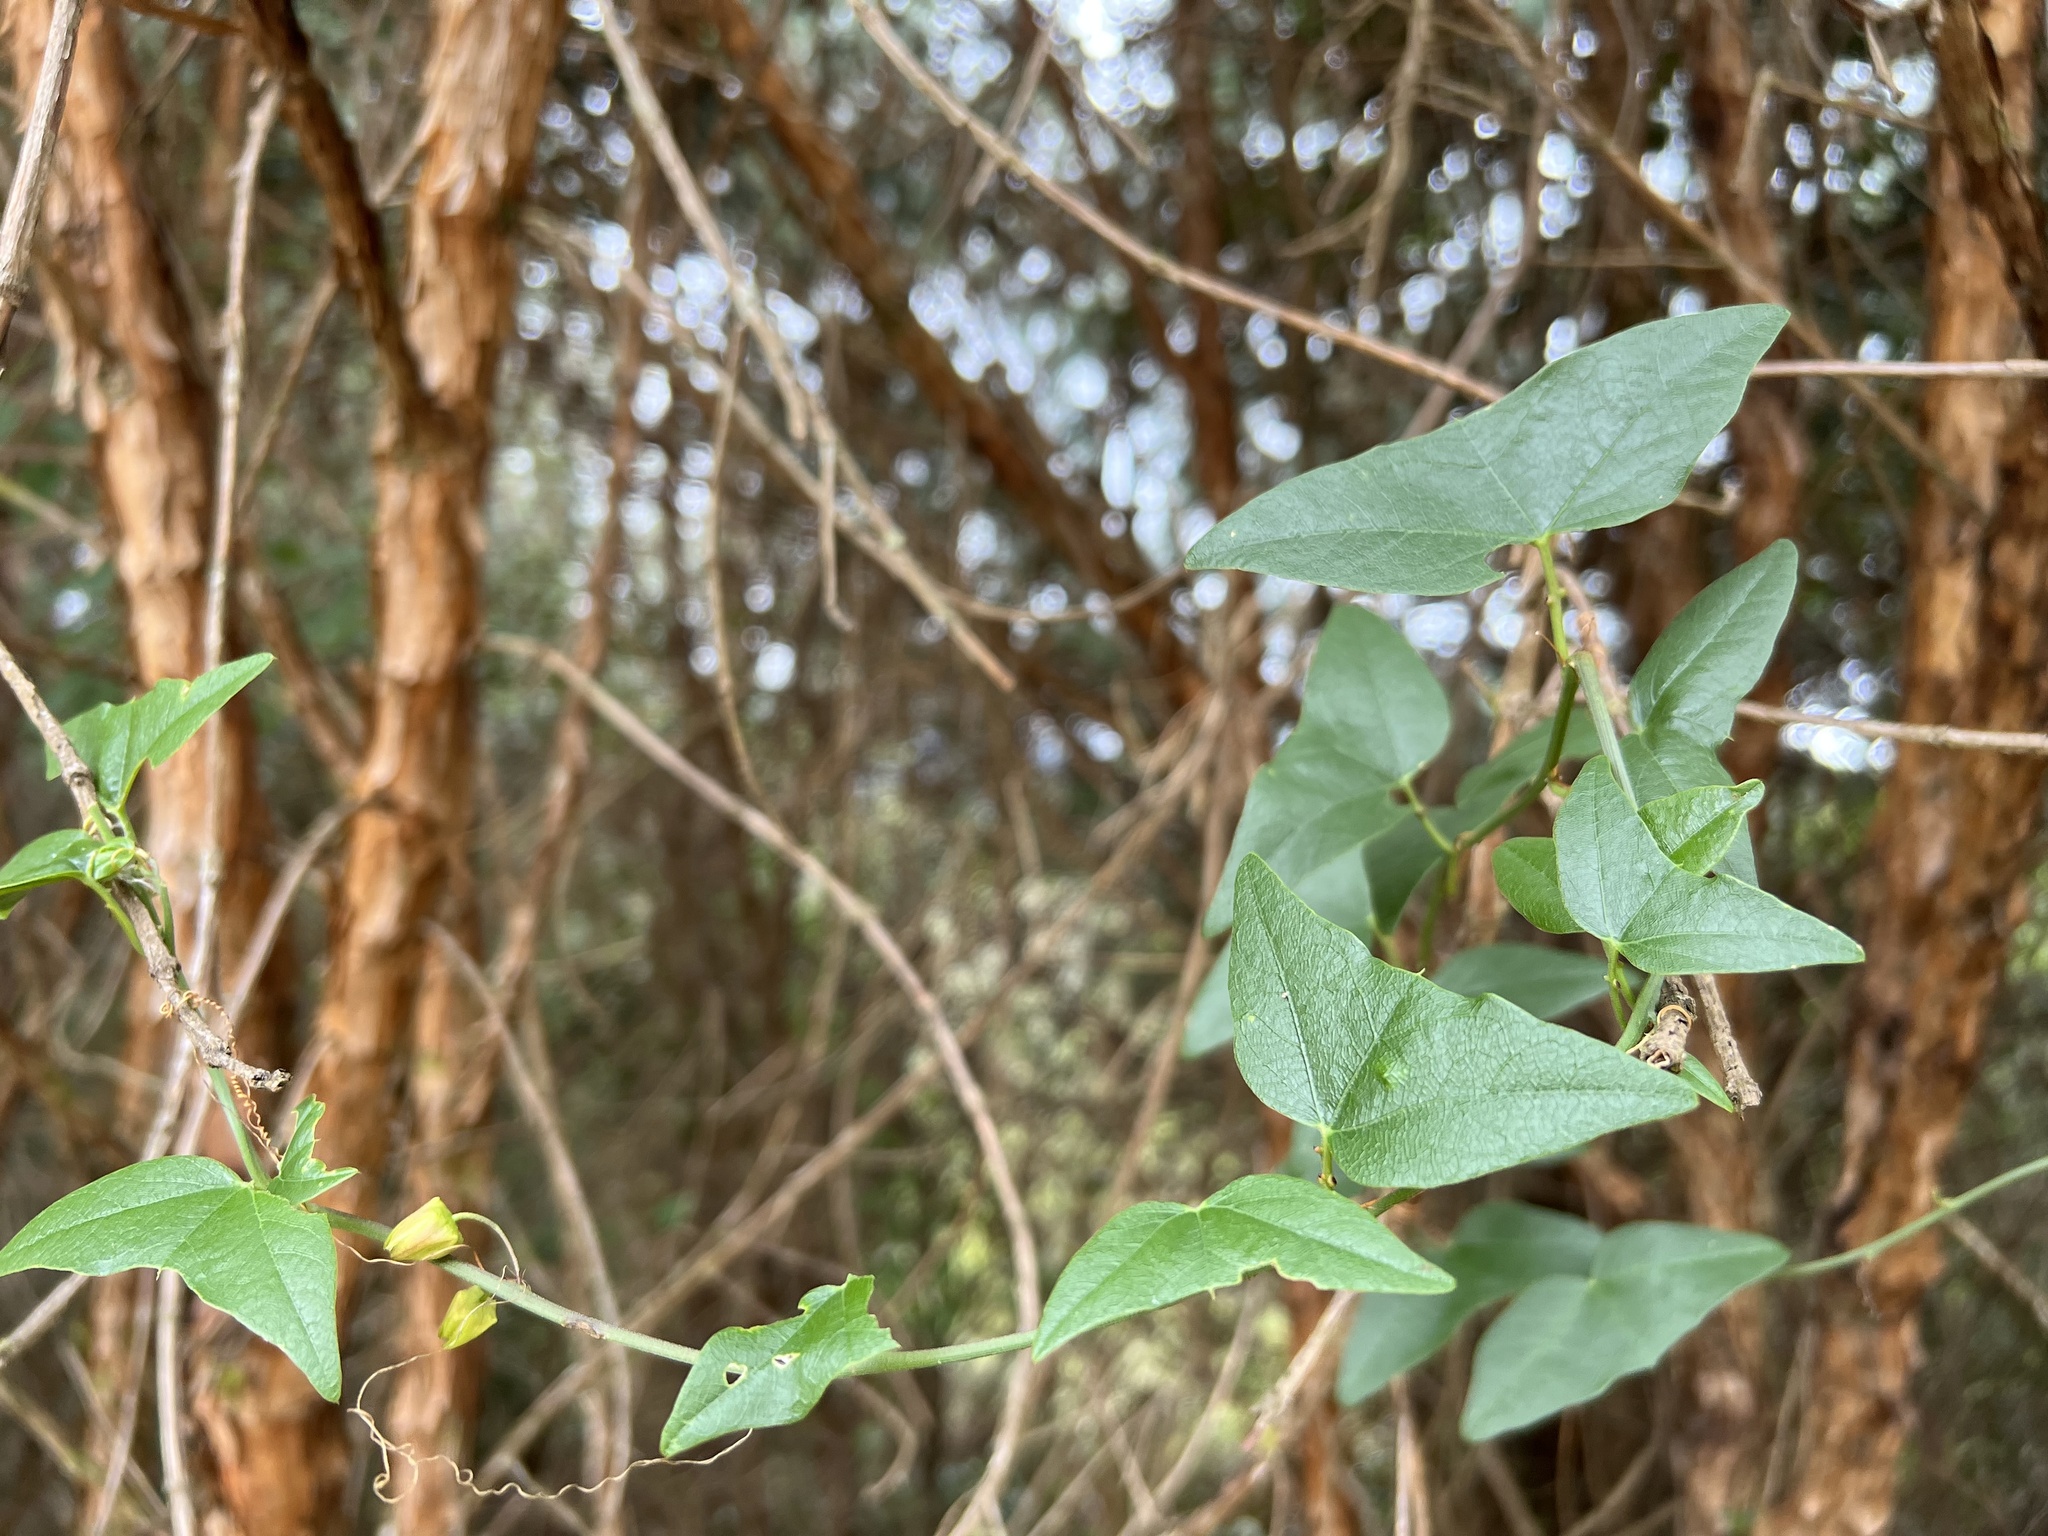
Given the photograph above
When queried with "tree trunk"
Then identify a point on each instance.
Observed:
(1718, 1453)
(1950, 847)
(127, 363)
(281, 1450)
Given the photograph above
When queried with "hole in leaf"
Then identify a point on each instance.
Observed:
(785, 1361)
(735, 1373)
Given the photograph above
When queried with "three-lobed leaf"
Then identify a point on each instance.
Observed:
(751, 1378)
(1371, 714)
(1600, 437)
(117, 739)
(1619, 885)
(1157, 1253)
(258, 1258)
(1496, 1250)
(300, 1175)
(1567, 1339)
(1416, 1086)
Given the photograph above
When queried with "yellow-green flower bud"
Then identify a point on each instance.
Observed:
(469, 1316)
(428, 1233)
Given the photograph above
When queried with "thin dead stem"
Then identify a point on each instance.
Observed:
(769, 831)
(32, 164)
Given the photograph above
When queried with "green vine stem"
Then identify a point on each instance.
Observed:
(1943, 1209)
(514, 1294)
(949, 1354)
(224, 1095)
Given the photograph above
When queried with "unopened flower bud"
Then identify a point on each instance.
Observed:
(469, 1316)
(428, 1233)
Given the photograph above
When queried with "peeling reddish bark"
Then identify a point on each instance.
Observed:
(127, 365)
(281, 1450)
(1951, 843)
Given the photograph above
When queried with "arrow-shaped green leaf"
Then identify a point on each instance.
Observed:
(1155, 1254)
(1566, 1340)
(1417, 1085)
(260, 1259)
(1618, 885)
(750, 1378)
(1599, 437)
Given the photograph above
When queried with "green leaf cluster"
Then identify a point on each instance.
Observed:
(1585, 1308)
(1399, 1079)
(1567, 1337)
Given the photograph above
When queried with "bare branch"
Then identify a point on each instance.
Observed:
(766, 829)
(2025, 743)
(32, 166)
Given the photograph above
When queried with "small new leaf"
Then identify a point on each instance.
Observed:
(1525, 869)
(1619, 885)
(300, 1175)
(1371, 714)
(61, 855)
(1418, 1086)
(260, 1259)
(750, 1378)
(117, 739)
(1498, 1248)
(1157, 1253)
(1599, 437)
(1696, 827)
(472, 1313)
(1566, 1340)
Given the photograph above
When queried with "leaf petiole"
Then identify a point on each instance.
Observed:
(1407, 787)
(224, 1095)
(1624, 1003)
(1638, 1022)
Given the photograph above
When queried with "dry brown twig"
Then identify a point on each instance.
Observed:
(32, 164)
(740, 1225)
(722, 685)
(857, 512)
(2025, 743)
(866, 921)
(675, 170)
